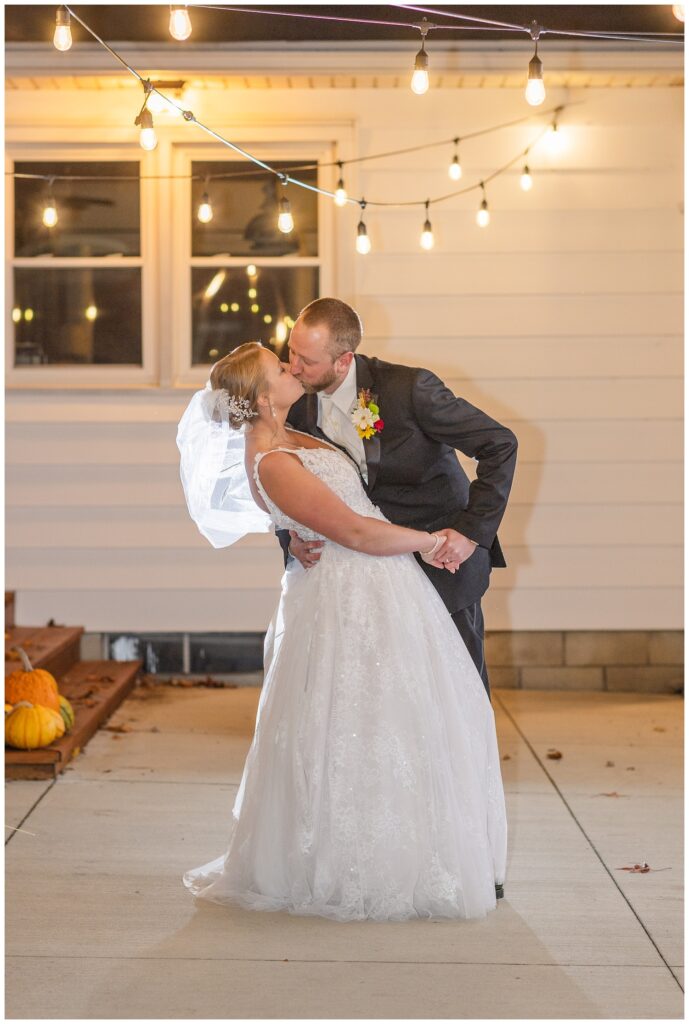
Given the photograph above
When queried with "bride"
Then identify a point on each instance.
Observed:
(372, 788)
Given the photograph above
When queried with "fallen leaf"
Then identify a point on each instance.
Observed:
(609, 764)
(659, 728)
(118, 728)
(553, 754)
(614, 793)
(631, 768)
(641, 869)
(154, 728)
(507, 757)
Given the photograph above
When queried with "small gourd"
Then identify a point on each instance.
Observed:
(35, 685)
(31, 725)
(67, 712)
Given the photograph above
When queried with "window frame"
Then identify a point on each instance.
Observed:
(97, 375)
(185, 373)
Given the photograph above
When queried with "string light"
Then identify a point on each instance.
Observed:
(16, 315)
(148, 139)
(91, 312)
(535, 89)
(340, 190)
(427, 240)
(419, 80)
(554, 139)
(363, 242)
(205, 210)
(62, 37)
(455, 168)
(526, 181)
(251, 270)
(285, 219)
(252, 293)
(483, 216)
(28, 315)
(180, 22)
(678, 11)
(215, 284)
(281, 332)
(49, 216)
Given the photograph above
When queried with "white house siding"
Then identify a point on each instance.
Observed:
(563, 320)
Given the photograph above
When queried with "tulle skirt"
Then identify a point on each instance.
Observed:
(372, 788)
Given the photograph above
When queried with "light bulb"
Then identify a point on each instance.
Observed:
(535, 88)
(363, 242)
(678, 11)
(251, 270)
(285, 219)
(50, 213)
(427, 240)
(147, 135)
(535, 92)
(16, 315)
(28, 315)
(91, 312)
(419, 81)
(205, 210)
(455, 168)
(526, 181)
(554, 140)
(148, 139)
(483, 216)
(252, 293)
(180, 23)
(340, 194)
(62, 38)
(281, 331)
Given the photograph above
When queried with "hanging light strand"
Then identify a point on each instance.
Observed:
(62, 37)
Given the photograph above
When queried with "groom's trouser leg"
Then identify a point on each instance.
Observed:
(469, 622)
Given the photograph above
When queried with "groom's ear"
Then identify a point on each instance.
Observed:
(344, 361)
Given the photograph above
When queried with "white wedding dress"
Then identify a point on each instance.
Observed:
(372, 788)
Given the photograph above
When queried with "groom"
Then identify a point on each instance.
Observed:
(408, 464)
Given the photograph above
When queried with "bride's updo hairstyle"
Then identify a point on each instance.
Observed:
(240, 373)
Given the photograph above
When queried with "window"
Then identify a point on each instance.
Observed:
(77, 278)
(129, 288)
(256, 294)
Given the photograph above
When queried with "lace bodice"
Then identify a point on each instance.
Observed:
(336, 471)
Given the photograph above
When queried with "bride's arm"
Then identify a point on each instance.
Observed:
(306, 499)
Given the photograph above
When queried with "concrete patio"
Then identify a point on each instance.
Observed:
(99, 924)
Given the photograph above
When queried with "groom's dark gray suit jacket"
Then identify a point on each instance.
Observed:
(414, 476)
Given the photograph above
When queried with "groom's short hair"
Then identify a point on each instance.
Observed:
(343, 323)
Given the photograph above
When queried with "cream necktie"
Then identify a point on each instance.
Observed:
(334, 427)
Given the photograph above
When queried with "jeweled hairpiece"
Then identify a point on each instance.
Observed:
(239, 408)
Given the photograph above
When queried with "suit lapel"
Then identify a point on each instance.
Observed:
(364, 379)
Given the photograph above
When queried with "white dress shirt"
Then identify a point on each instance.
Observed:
(334, 418)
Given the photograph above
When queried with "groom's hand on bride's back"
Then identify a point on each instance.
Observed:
(305, 551)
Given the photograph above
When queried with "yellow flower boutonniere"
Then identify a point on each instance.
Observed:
(366, 415)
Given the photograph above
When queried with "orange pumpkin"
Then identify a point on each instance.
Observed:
(32, 684)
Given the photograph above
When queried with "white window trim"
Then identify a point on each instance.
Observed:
(61, 376)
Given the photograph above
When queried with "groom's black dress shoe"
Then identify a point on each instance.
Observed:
(499, 891)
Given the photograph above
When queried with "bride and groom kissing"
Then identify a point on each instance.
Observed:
(372, 787)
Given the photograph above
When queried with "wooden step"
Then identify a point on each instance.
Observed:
(94, 689)
(55, 648)
(9, 609)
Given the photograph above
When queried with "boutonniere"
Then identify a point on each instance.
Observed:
(366, 415)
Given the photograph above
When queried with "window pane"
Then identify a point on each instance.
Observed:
(75, 315)
(245, 212)
(94, 218)
(230, 306)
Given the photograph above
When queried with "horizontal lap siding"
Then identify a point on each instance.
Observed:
(563, 319)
